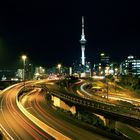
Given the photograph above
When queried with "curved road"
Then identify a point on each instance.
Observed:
(130, 131)
(13, 122)
(17, 126)
(35, 103)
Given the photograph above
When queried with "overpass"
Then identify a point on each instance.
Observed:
(110, 111)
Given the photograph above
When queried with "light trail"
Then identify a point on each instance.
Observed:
(82, 89)
(2, 101)
(132, 100)
(38, 103)
(3, 129)
(15, 122)
(57, 135)
(25, 124)
(48, 116)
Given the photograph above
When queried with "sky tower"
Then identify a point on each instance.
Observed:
(83, 42)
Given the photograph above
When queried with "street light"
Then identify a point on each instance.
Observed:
(115, 77)
(59, 67)
(24, 57)
(107, 87)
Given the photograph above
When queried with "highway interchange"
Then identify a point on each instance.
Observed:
(132, 132)
(30, 118)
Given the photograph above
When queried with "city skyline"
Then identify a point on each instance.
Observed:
(49, 36)
(69, 70)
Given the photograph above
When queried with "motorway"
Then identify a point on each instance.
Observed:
(130, 131)
(35, 103)
(33, 119)
(13, 122)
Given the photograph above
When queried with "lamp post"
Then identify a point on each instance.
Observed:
(115, 79)
(24, 57)
(107, 88)
(59, 67)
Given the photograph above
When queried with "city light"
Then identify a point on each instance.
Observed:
(59, 67)
(102, 54)
(24, 57)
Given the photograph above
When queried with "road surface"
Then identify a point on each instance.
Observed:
(19, 126)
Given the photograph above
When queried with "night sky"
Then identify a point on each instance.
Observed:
(49, 32)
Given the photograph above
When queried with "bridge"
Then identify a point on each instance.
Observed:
(111, 112)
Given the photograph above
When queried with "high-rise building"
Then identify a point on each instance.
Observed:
(104, 59)
(130, 66)
(20, 74)
(105, 66)
(83, 42)
(39, 72)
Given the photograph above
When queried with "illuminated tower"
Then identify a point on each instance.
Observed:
(83, 42)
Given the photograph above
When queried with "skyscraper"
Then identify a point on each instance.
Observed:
(83, 42)
(104, 59)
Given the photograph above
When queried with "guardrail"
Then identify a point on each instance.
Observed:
(105, 109)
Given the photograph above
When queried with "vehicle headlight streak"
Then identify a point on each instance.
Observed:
(57, 135)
